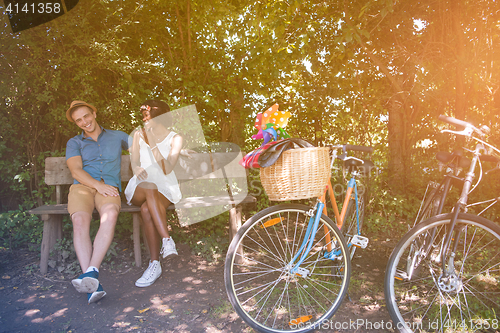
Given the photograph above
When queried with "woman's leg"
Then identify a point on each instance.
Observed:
(157, 205)
(153, 271)
(148, 226)
(150, 232)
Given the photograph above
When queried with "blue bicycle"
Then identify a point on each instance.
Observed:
(288, 267)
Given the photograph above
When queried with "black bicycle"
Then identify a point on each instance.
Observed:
(444, 274)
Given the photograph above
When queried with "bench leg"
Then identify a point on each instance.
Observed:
(52, 231)
(234, 225)
(137, 239)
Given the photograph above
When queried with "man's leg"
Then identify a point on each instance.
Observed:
(104, 237)
(80, 207)
(81, 238)
(108, 208)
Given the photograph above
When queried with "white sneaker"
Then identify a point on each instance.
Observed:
(168, 247)
(150, 275)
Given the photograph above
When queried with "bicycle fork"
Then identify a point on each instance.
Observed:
(448, 266)
(308, 241)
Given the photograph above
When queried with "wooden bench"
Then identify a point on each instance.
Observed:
(222, 166)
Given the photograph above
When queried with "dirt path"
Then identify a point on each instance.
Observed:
(189, 297)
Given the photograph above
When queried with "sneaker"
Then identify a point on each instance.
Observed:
(168, 247)
(87, 282)
(96, 295)
(150, 275)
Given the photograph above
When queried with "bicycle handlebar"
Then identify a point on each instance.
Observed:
(456, 122)
(468, 127)
(359, 148)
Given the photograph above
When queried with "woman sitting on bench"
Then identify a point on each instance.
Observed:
(154, 153)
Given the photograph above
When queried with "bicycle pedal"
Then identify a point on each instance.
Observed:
(360, 241)
(302, 272)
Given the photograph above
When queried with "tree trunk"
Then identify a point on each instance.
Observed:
(397, 151)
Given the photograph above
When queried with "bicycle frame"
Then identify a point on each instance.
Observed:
(320, 208)
(459, 207)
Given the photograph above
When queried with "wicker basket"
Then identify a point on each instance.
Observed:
(298, 174)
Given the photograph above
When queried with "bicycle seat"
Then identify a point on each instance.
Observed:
(364, 166)
(456, 159)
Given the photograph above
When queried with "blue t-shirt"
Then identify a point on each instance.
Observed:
(101, 159)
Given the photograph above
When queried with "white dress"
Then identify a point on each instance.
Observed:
(166, 184)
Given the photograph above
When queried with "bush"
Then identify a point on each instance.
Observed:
(18, 227)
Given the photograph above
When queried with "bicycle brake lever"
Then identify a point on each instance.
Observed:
(494, 169)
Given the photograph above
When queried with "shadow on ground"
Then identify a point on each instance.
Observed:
(189, 297)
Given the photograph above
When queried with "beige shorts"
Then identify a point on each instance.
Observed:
(82, 198)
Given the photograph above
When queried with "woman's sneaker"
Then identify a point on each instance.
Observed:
(168, 247)
(150, 275)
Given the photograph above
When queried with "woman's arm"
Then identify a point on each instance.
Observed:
(171, 160)
(135, 158)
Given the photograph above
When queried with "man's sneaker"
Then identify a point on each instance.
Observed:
(150, 275)
(168, 247)
(96, 295)
(87, 282)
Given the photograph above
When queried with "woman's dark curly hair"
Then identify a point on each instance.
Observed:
(157, 107)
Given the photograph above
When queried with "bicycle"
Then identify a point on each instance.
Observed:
(444, 274)
(435, 194)
(294, 268)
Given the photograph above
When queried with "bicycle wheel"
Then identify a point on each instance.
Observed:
(259, 284)
(350, 222)
(468, 300)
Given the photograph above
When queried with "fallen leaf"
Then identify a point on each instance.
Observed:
(204, 311)
(143, 310)
(169, 311)
(5, 277)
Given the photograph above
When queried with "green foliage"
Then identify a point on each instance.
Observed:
(124, 226)
(208, 239)
(18, 228)
(344, 71)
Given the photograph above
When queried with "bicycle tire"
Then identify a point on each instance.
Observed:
(259, 284)
(350, 224)
(466, 302)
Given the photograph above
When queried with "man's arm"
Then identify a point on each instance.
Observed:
(75, 165)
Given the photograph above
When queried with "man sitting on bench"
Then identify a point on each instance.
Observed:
(94, 159)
